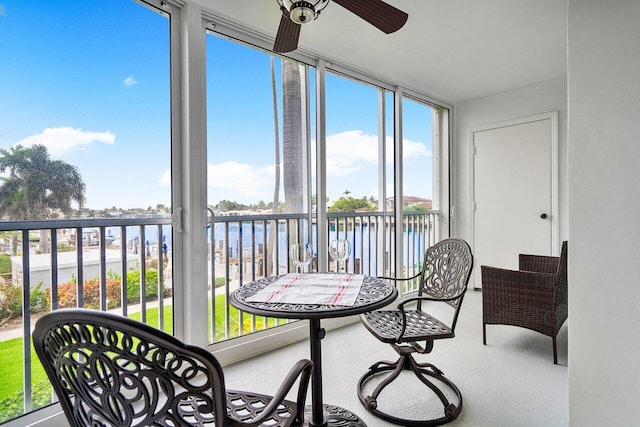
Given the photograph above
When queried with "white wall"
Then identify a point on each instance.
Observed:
(604, 212)
(522, 102)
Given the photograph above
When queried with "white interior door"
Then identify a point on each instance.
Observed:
(514, 191)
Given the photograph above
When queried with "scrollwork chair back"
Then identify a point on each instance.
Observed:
(113, 371)
(445, 271)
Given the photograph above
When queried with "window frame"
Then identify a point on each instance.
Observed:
(247, 346)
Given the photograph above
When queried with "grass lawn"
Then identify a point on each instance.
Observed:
(11, 370)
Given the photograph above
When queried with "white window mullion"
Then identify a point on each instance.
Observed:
(382, 177)
(191, 301)
(321, 166)
(398, 193)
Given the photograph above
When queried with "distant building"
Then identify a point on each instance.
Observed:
(411, 201)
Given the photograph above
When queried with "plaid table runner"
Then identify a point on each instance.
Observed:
(300, 288)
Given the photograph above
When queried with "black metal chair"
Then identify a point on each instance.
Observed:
(108, 370)
(443, 278)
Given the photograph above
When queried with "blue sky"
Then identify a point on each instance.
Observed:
(90, 80)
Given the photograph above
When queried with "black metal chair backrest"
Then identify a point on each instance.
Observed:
(446, 270)
(111, 370)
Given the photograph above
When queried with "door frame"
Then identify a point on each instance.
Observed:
(554, 167)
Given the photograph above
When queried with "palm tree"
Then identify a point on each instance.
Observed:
(12, 195)
(292, 136)
(292, 164)
(276, 192)
(292, 140)
(36, 184)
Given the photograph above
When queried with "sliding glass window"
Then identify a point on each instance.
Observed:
(420, 137)
(85, 158)
(354, 166)
(259, 173)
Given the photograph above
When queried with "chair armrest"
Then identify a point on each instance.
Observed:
(395, 279)
(539, 263)
(301, 369)
(416, 299)
(409, 300)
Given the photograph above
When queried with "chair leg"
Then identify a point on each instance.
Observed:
(484, 333)
(555, 350)
(422, 371)
(376, 366)
(427, 369)
(397, 369)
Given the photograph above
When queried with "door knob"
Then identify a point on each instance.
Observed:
(543, 216)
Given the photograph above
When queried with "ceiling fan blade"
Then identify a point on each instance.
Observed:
(376, 12)
(288, 35)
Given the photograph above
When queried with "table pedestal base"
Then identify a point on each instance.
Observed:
(335, 416)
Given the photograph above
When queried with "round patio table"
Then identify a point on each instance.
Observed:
(374, 293)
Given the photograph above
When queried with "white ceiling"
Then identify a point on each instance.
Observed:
(452, 50)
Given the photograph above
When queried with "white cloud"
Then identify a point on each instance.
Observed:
(130, 81)
(241, 181)
(347, 153)
(350, 151)
(3, 11)
(165, 179)
(411, 149)
(63, 140)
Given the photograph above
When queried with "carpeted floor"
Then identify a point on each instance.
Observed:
(510, 382)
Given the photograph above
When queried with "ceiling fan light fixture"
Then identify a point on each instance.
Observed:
(302, 12)
(378, 13)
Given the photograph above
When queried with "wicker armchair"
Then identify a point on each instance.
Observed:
(412, 328)
(534, 297)
(109, 370)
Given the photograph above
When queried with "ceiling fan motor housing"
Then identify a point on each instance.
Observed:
(302, 12)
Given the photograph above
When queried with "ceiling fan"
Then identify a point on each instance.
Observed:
(295, 13)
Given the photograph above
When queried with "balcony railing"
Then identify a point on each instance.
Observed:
(125, 265)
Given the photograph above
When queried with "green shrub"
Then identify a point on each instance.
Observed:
(219, 282)
(37, 299)
(67, 292)
(150, 286)
(5, 265)
(13, 406)
(11, 300)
